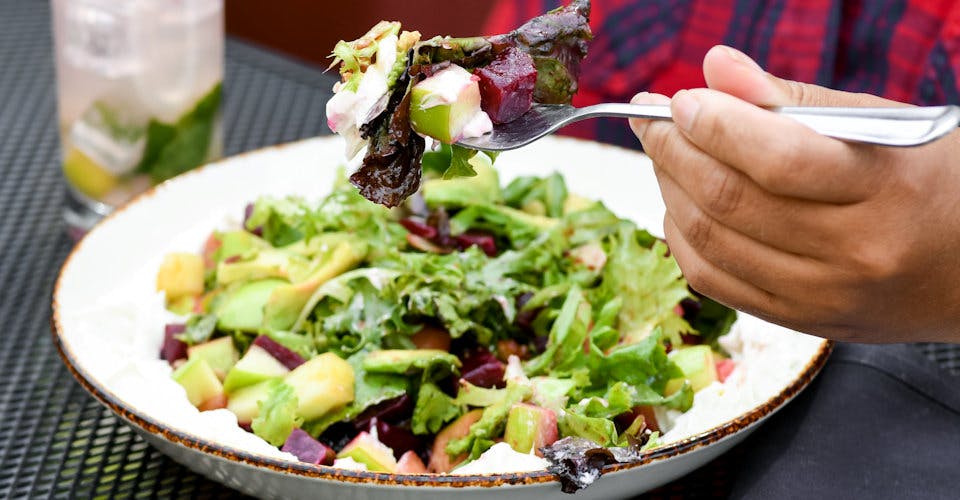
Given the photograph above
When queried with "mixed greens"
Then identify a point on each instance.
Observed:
(412, 340)
(397, 89)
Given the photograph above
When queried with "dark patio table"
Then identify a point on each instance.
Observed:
(55, 439)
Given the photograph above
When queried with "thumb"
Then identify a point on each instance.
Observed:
(733, 72)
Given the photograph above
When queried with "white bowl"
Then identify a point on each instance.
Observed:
(108, 325)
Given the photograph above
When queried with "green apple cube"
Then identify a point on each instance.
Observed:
(199, 380)
(323, 384)
(698, 366)
(220, 354)
(369, 451)
(254, 367)
(244, 402)
(530, 428)
(443, 105)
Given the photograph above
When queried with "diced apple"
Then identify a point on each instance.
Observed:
(367, 450)
(440, 461)
(443, 105)
(698, 368)
(309, 450)
(215, 403)
(180, 274)
(219, 353)
(199, 380)
(530, 427)
(243, 402)
(322, 384)
(724, 369)
(210, 248)
(254, 367)
(410, 463)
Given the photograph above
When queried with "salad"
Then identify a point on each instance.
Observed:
(474, 328)
(397, 90)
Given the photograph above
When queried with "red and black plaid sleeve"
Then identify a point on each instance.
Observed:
(907, 50)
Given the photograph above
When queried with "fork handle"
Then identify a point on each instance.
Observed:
(903, 126)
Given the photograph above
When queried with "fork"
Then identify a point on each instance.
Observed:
(907, 126)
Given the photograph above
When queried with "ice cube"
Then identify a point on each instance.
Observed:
(115, 142)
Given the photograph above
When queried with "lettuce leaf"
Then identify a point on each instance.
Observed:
(433, 409)
(491, 423)
(278, 414)
(650, 284)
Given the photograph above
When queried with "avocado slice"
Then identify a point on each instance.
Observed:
(199, 380)
(254, 367)
(464, 191)
(267, 264)
(219, 353)
(323, 384)
(698, 366)
(286, 302)
(369, 451)
(242, 308)
(410, 361)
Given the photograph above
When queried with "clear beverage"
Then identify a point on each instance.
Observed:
(139, 93)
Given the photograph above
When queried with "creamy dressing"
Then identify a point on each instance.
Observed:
(502, 458)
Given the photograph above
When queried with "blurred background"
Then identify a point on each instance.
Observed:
(308, 29)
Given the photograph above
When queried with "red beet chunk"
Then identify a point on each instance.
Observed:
(481, 368)
(307, 449)
(392, 410)
(506, 85)
(419, 228)
(285, 356)
(482, 240)
(399, 439)
(173, 348)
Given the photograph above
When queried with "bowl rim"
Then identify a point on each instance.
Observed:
(158, 429)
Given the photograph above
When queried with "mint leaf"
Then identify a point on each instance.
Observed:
(172, 149)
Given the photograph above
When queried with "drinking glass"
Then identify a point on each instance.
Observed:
(139, 94)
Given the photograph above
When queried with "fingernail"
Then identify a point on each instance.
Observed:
(639, 126)
(685, 109)
(742, 58)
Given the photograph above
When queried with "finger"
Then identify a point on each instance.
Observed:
(781, 273)
(639, 125)
(716, 283)
(781, 155)
(733, 199)
(733, 72)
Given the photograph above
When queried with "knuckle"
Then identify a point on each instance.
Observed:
(723, 192)
(878, 263)
(698, 228)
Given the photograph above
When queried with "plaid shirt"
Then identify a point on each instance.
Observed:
(906, 50)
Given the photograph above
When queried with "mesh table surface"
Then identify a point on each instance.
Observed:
(55, 439)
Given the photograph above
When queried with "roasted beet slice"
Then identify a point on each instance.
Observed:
(506, 85)
(173, 348)
(419, 227)
(392, 410)
(307, 449)
(482, 240)
(285, 356)
(481, 368)
(398, 438)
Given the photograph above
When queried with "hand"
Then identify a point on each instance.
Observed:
(847, 241)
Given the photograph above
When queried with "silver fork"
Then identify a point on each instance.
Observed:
(907, 126)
